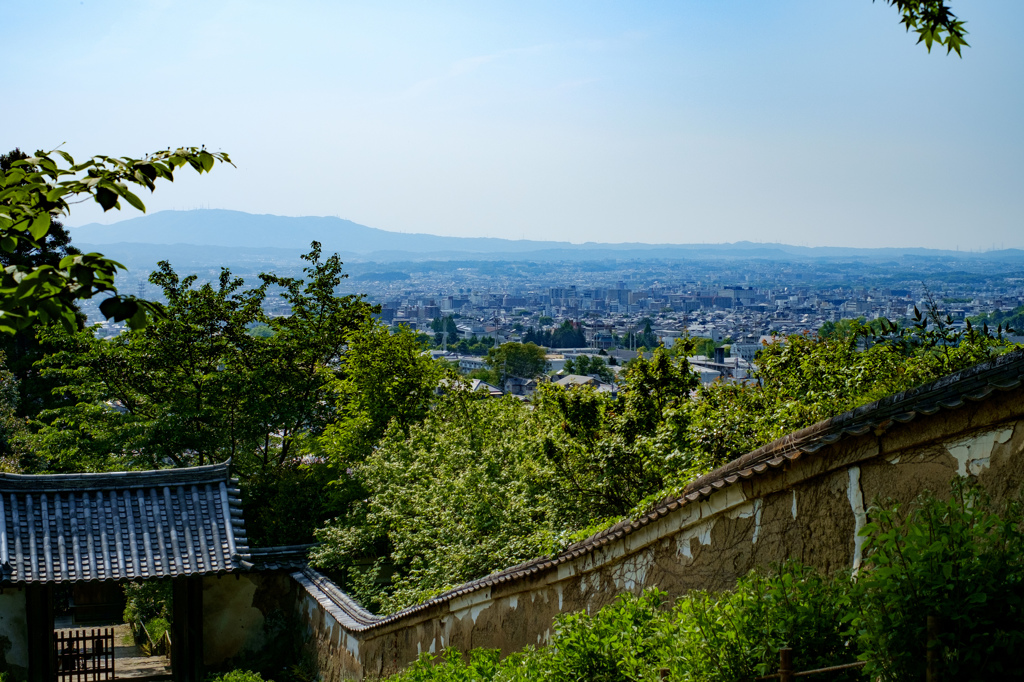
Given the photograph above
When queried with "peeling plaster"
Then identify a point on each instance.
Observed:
(758, 507)
(558, 591)
(972, 454)
(631, 573)
(794, 503)
(513, 602)
(856, 496)
(744, 511)
(702, 532)
(352, 644)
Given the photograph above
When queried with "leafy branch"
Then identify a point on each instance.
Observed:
(37, 190)
(933, 22)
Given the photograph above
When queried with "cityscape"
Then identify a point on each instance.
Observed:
(617, 307)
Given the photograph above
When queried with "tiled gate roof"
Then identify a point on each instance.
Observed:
(119, 526)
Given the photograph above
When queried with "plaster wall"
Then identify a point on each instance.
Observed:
(244, 615)
(809, 510)
(14, 627)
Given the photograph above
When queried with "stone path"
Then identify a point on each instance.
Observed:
(131, 663)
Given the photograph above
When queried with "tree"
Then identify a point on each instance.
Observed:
(587, 365)
(513, 359)
(12, 428)
(35, 191)
(386, 381)
(568, 335)
(440, 325)
(195, 386)
(452, 499)
(22, 348)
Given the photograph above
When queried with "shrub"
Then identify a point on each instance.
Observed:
(237, 676)
(737, 634)
(956, 560)
(156, 628)
(723, 636)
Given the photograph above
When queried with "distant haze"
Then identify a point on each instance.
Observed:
(232, 235)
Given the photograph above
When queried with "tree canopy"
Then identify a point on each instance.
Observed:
(513, 359)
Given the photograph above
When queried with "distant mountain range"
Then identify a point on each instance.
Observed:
(212, 235)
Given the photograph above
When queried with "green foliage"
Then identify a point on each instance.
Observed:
(566, 335)
(956, 560)
(477, 486)
(1012, 320)
(473, 345)
(576, 460)
(933, 21)
(706, 347)
(156, 628)
(147, 600)
(195, 386)
(445, 324)
(386, 380)
(809, 378)
(587, 365)
(490, 376)
(13, 453)
(453, 498)
(517, 360)
(36, 190)
(618, 643)
(732, 635)
(717, 637)
(237, 676)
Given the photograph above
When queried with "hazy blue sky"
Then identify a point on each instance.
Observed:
(803, 121)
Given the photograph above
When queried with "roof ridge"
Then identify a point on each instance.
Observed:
(44, 483)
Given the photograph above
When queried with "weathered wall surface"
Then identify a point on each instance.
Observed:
(246, 615)
(13, 632)
(808, 509)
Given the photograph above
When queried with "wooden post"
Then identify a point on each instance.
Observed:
(663, 674)
(786, 665)
(932, 662)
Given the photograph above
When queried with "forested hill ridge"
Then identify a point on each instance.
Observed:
(236, 229)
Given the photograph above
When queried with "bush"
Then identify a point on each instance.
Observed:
(156, 628)
(956, 560)
(707, 636)
(237, 676)
(737, 634)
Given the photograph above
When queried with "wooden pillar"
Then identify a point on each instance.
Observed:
(187, 635)
(39, 614)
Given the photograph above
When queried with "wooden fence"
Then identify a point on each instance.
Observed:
(84, 655)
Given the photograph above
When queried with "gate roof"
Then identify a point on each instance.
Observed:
(132, 525)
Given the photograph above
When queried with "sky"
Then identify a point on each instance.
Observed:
(795, 121)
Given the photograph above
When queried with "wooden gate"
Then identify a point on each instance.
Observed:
(84, 655)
